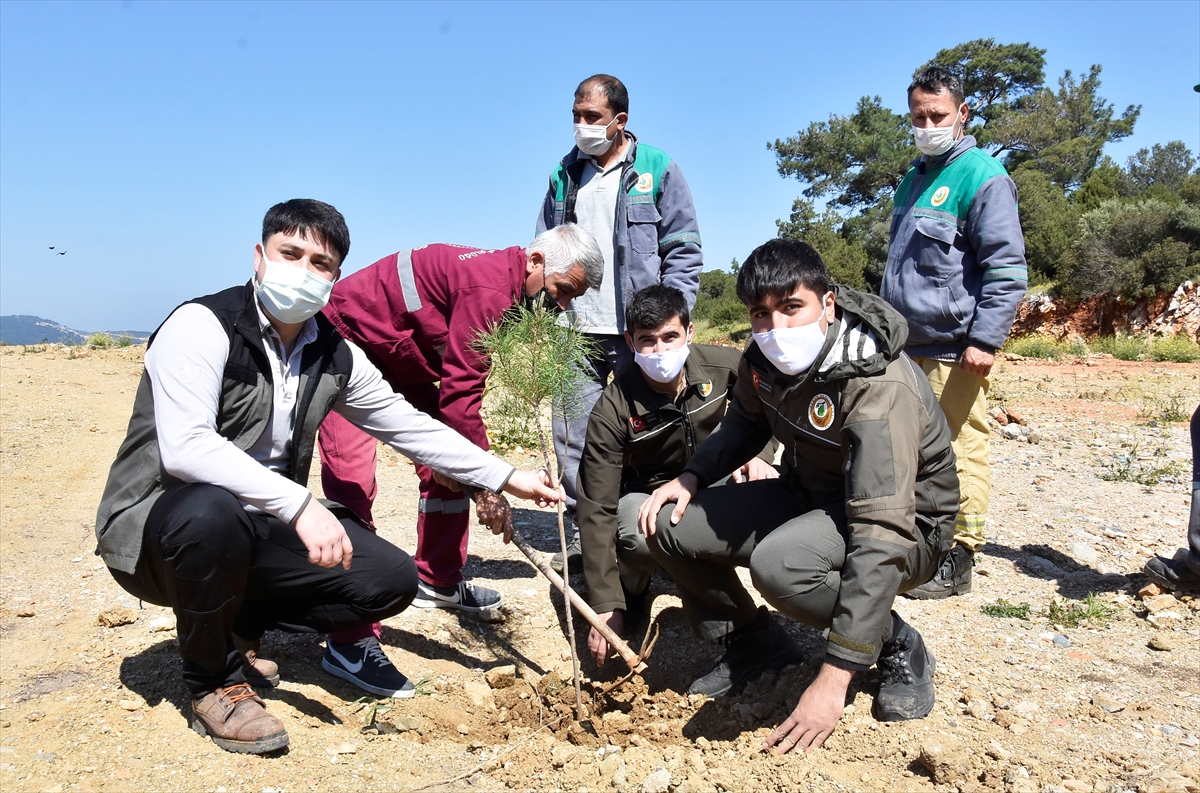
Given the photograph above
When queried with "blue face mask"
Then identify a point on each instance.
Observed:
(292, 293)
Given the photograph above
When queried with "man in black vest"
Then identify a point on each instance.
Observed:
(206, 508)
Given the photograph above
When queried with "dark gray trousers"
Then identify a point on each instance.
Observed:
(795, 556)
(1193, 534)
(224, 570)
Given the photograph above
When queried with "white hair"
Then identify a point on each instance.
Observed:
(567, 245)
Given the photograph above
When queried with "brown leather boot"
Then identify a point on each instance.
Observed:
(259, 671)
(237, 721)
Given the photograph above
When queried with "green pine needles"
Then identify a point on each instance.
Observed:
(537, 361)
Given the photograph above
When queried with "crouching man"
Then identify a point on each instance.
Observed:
(865, 507)
(644, 428)
(206, 508)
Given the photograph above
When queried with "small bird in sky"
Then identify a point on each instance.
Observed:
(51, 247)
(62, 253)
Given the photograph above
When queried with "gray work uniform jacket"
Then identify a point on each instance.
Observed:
(655, 235)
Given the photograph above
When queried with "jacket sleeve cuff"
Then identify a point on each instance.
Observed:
(702, 477)
(292, 519)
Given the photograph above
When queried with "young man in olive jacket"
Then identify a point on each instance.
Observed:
(864, 508)
(644, 428)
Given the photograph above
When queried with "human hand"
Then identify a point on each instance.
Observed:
(976, 361)
(534, 486)
(447, 482)
(816, 714)
(680, 490)
(596, 641)
(494, 512)
(323, 536)
(755, 470)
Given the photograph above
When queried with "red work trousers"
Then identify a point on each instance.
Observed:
(443, 518)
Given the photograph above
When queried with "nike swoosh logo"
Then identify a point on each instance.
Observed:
(351, 668)
(434, 594)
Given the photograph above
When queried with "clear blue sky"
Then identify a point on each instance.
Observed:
(148, 138)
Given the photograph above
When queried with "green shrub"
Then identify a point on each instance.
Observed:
(1002, 608)
(1123, 348)
(1092, 611)
(100, 340)
(1038, 345)
(124, 340)
(1175, 349)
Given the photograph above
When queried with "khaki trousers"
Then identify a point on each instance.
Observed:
(963, 397)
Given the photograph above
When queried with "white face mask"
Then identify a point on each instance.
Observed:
(665, 366)
(936, 141)
(792, 350)
(593, 138)
(290, 293)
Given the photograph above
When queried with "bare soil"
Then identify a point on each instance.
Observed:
(1023, 705)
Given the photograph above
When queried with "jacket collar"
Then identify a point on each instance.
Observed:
(961, 147)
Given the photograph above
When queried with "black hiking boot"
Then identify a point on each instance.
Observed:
(952, 578)
(1173, 575)
(907, 669)
(750, 650)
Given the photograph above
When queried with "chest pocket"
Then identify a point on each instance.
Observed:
(942, 233)
(643, 227)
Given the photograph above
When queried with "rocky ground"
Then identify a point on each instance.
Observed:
(1049, 690)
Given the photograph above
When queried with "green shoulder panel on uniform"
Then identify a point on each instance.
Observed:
(558, 179)
(947, 192)
(651, 164)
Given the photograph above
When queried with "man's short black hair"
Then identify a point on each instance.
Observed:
(935, 79)
(655, 306)
(309, 217)
(612, 88)
(777, 268)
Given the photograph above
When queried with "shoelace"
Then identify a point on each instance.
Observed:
(236, 693)
(372, 650)
(895, 668)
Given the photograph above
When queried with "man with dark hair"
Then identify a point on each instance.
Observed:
(206, 509)
(864, 508)
(416, 314)
(644, 428)
(635, 201)
(956, 272)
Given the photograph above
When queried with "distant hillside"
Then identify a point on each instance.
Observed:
(24, 329)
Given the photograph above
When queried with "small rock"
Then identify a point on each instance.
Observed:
(162, 624)
(26, 611)
(464, 729)
(659, 781)
(1084, 553)
(1112, 532)
(616, 720)
(561, 755)
(1045, 567)
(35, 715)
(1034, 437)
(1162, 642)
(341, 748)
(407, 723)
(491, 615)
(501, 676)
(1013, 416)
(1012, 431)
(116, 616)
(479, 693)
(1157, 603)
(998, 752)
(978, 709)
(612, 768)
(1062, 641)
(129, 704)
(1077, 786)
(1165, 620)
(999, 416)
(945, 759)
(1190, 740)
(1149, 590)
(1106, 703)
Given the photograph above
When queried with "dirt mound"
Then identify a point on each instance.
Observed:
(1105, 315)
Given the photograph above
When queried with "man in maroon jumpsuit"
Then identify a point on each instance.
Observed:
(416, 314)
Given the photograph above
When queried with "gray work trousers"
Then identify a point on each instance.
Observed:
(634, 559)
(795, 556)
(612, 358)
